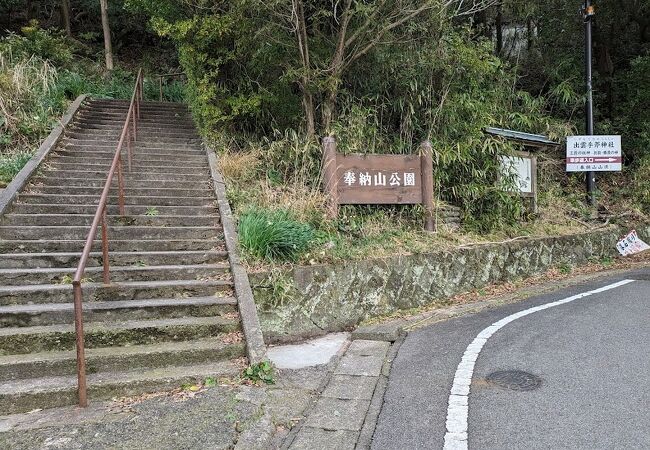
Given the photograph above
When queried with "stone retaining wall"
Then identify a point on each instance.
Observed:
(312, 300)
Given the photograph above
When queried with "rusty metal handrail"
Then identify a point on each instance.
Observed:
(167, 75)
(129, 130)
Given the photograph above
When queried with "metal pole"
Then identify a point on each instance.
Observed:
(120, 187)
(106, 273)
(589, 110)
(79, 334)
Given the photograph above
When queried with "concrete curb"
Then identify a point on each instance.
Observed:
(9, 194)
(372, 416)
(255, 347)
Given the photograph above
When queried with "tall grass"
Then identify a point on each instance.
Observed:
(273, 235)
(27, 109)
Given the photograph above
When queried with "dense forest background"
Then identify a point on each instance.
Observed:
(266, 79)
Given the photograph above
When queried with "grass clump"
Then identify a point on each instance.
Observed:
(274, 235)
(261, 373)
(10, 165)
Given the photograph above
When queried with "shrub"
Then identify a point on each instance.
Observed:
(273, 235)
(48, 45)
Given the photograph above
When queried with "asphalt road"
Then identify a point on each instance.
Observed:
(591, 357)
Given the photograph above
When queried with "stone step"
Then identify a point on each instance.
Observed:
(145, 114)
(103, 175)
(145, 109)
(137, 158)
(112, 199)
(148, 119)
(118, 359)
(47, 275)
(140, 144)
(137, 155)
(116, 245)
(156, 220)
(124, 104)
(131, 183)
(90, 136)
(157, 144)
(116, 311)
(109, 150)
(71, 259)
(129, 191)
(126, 290)
(140, 163)
(63, 165)
(130, 210)
(145, 131)
(87, 123)
(67, 232)
(92, 118)
(49, 392)
(21, 340)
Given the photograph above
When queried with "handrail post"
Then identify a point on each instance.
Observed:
(128, 146)
(81, 357)
(135, 128)
(106, 263)
(120, 185)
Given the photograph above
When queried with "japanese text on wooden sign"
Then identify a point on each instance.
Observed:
(594, 154)
(379, 179)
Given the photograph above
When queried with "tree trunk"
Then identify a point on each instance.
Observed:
(65, 17)
(310, 113)
(329, 108)
(499, 27)
(108, 49)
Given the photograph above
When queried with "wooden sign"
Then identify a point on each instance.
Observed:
(523, 167)
(379, 179)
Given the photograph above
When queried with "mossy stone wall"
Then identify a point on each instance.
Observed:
(312, 300)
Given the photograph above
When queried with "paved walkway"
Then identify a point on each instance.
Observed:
(220, 417)
(342, 416)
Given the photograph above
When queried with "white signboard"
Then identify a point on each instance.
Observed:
(521, 169)
(631, 244)
(594, 154)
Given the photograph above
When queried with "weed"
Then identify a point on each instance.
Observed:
(152, 211)
(260, 373)
(210, 382)
(65, 279)
(11, 164)
(606, 261)
(565, 268)
(274, 235)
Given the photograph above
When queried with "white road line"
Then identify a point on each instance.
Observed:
(458, 406)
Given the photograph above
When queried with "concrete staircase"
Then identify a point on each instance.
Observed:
(170, 315)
